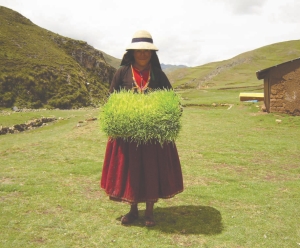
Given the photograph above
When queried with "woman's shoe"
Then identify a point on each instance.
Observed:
(129, 218)
(149, 221)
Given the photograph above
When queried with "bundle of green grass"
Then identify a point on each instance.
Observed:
(152, 117)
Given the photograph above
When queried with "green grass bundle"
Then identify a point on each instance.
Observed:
(152, 117)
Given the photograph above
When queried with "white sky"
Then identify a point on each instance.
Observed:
(188, 32)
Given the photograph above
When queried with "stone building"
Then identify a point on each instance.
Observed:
(282, 87)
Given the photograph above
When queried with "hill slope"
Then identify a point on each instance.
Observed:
(39, 68)
(235, 73)
(114, 62)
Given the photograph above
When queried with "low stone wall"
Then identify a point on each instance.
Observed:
(277, 102)
(26, 126)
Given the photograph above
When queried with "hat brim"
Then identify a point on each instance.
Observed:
(141, 46)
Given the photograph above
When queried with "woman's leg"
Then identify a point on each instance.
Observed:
(134, 209)
(149, 219)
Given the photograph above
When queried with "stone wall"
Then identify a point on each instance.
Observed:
(292, 92)
(285, 89)
(277, 103)
(26, 126)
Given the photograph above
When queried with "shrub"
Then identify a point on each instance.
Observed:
(7, 99)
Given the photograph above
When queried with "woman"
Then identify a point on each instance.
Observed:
(146, 172)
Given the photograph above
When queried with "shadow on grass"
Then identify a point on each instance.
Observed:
(189, 219)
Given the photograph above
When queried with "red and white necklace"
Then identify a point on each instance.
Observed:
(138, 78)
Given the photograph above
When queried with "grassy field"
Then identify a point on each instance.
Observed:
(241, 177)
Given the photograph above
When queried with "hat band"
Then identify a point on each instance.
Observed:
(142, 40)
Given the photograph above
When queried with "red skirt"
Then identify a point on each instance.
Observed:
(139, 173)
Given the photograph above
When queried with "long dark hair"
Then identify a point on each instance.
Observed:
(128, 59)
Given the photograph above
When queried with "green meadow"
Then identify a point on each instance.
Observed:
(241, 177)
(241, 166)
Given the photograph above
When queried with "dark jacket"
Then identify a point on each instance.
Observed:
(123, 79)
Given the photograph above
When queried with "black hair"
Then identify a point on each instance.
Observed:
(128, 59)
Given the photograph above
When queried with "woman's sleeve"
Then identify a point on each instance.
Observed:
(116, 81)
(165, 81)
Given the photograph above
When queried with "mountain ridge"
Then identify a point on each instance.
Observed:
(39, 68)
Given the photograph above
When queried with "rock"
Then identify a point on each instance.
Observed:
(16, 109)
(263, 108)
(91, 119)
(20, 127)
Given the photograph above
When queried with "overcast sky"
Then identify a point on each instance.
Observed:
(188, 32)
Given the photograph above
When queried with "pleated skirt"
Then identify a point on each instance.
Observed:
(136, 173)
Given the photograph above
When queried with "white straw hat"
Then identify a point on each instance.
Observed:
(142, 40)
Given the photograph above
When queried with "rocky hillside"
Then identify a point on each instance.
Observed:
(39, 68)
(237, 73)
